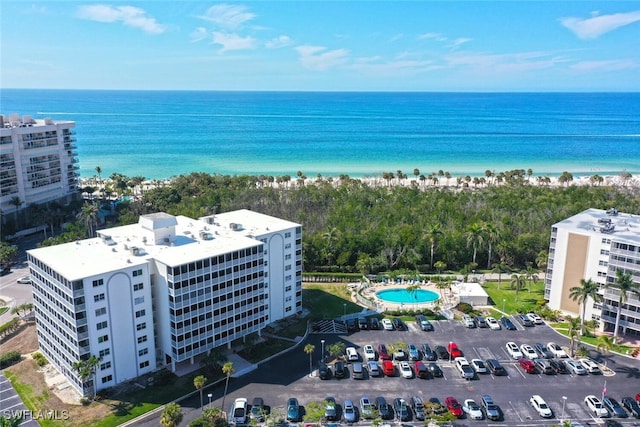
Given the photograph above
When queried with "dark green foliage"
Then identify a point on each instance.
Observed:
(164, 377)
(8, 359)
(40, 359)
(465, 308)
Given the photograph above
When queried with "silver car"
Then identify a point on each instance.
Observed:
(349, 412)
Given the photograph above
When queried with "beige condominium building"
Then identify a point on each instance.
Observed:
(594, 244)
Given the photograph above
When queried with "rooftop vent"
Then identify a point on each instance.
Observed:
(235, 226)
(135, 251)
(205, 235)
(608, 228)
(612, 211)
(604, 220)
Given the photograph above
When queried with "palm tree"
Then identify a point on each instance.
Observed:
(228, 370)
(475, 238)
(87, 369)
(531, 275)
(99, 172)
(89, 216)
(412, 290)
(433, 233)
(605, 344)
(587, 289)
(172, 415)
(518, 281)
(11, 421)
(573, 331)
(624, 284)
(330, 238)
(198, 383)
(500, 268)
(309, 349)
(493, 235)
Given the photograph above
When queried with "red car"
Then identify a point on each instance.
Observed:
(388, 368)
(454, 406)
(528, 366)
(383, 353)
(421, 370)
(454, 351)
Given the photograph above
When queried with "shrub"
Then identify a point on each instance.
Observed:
(164, 377)
(8, 359)
(40, 359)
(85, 401)
(465, 308)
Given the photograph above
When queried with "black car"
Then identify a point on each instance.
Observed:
(374, 323)
(362, 323)
(543, 351)
(423, 323)
(480, 322)
(558, 365)
(434, 370)
(402, 409)
(331, 409)
(398, 324)
(442, 352)
(338, 369)
(352, 325)
(385, 411)
(614, 407)
(507, 324)
(632, 406)
(495, 367)
(324, 372)
(435, 407)
(427, 353)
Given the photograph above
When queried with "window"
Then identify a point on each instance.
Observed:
(138, 286)
(142, 339)
(105, 365)
(107, 379)
(140, 313)
(287, 299)
(287, 256)
(103, 338)
(101, 311)
(143, 351)
(138, 300)
(144, 364)
(287, 267)
(604, 252)
(99, 297)
(287, 246)
(98, 282)
(287, 234)
(141, 326)
(104, 352)
(288, 309)
(137, 273)
(101, 325)
(287, 289)
(287, 278)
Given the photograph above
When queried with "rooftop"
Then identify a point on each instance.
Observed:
(610, 222)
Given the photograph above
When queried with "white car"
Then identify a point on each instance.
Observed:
(596, 407)
(369, 352)
(528, 351)
(25, 280)
(352, 354)
(472, 409)
(387, 325)
(493, 323)
(513, 350)
(575, 367)
(541, 406)
(535, 318)
(405, 370)
(479, 366)
(591, 366)
(556, 350)
(239, 411)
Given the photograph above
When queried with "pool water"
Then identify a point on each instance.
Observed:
(403, 296)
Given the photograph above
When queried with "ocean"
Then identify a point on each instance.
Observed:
(160, 134)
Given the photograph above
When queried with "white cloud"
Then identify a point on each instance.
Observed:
(199, 33)
(397, 67)
(611, 65)
(129, 15)
(396, 37)
(459, 42)
(597, 25)
(318, 58)
(278, 42)
(231, 41)
(228, 16)
(435, 36)
(504, 63)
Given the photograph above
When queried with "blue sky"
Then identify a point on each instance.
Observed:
(322, 45)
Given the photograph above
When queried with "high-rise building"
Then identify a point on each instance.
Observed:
(163, 292)
(593, 245)
(38, 162)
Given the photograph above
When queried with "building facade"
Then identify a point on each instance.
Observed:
(38, 161)
(163, 292)
(593, 245)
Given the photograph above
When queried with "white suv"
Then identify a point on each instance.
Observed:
(595, 405)
(514, 351)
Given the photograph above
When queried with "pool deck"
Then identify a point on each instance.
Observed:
(448, 297)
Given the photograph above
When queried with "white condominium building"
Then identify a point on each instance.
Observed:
(38, 161)
(163, 292)
(594, 244)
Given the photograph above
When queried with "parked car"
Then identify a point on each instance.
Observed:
(435, 407)
(338, 369)
(454, 407)
(387, 325)
(614, 407)
(330, 409)
(558, 365)
(537, 320)
(24, 280)
(442, 352)
(543, 365)
(493, 324)
(293, 410)
(632, 406)
(453, 350)
(414, 354)
(480, 322)
(423, 323)
(527, 365)
(428, 353)
(591, 366)
(372, 367)
(513, 350)
(464, 368)
(491, 410)
(349, 412)
(434, 370)
(357, 371)
(388, 368)
(398, 324)
(556, 350)
(352, 325)
(528, 351)
(258, 409)
(401, 409)
(374, 323)
(479, 366)
(468, 322)
(575, 367)
(324, 372)
(540, 406)
(543, 351)
(352, 354)
(366, 408)
(524, 320)
(399, 354)
(384, 409)
(507, 324)
(383, 353)
(472, 409)
(239, 411)
(405, 370)
(496, 368)
(417, 405)
(363, 323)
(369, 352)
(595, 406)
(421, 370)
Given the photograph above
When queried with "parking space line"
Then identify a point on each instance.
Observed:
(516, 411)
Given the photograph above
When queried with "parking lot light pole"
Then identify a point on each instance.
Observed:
(345, 309)
(450, 351)
(209, 396)
(322, 350)
(503, 302)
(564, 400)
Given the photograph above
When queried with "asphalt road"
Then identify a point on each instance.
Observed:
(288, 376)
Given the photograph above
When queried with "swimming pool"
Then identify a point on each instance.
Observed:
(400, 295)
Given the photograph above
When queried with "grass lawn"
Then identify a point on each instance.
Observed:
(505, 297)
(327, 301)
(3, 310)
(563, 328)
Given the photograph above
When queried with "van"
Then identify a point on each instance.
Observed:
(491, 410)
(357, 371)
(388, 369)
(468, 321)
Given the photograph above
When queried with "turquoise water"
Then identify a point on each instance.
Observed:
(403, 296)
(160, 134)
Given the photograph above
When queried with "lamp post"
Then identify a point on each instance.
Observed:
(322, 350)
(450, 351)
(503, 303)
(564, 400)
(345, 309)
(209, 396)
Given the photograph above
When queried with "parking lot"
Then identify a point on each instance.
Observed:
(511, 392)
